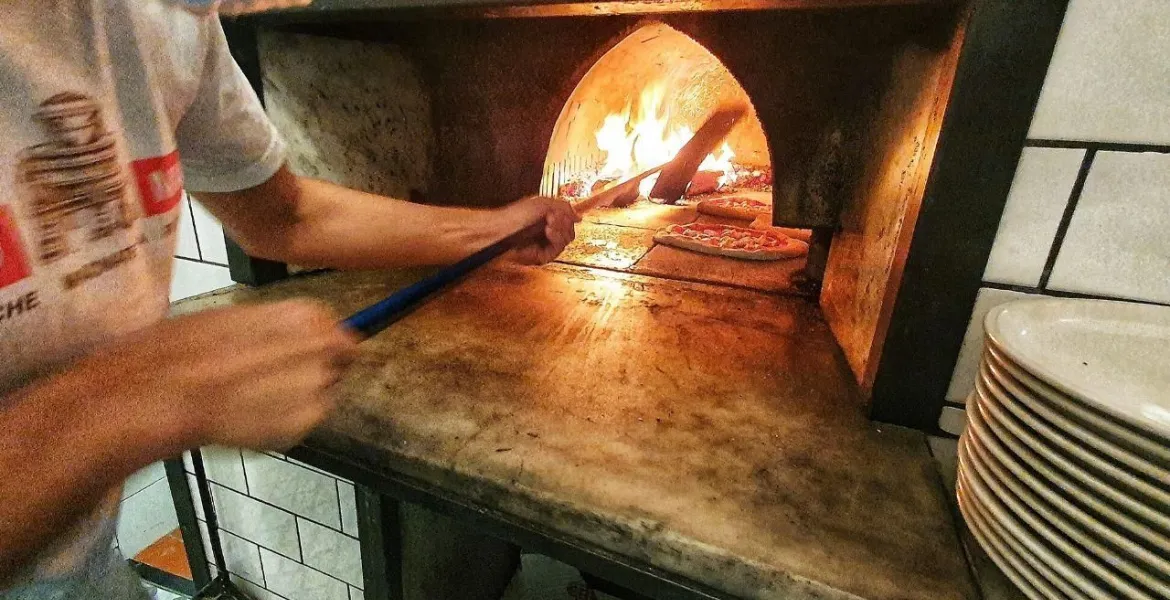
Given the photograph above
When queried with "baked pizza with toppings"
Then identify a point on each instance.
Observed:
(731, 241)
(735, 207)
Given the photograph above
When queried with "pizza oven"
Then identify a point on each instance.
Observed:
(851, 108)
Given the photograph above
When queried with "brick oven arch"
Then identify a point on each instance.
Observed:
(612, 80)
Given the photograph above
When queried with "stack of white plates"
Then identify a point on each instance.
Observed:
(1064, 467)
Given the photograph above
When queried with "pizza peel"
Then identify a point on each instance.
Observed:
(677, 174)
(378, 316)
(673, 178)
(624, 191)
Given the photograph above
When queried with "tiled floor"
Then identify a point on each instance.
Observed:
(167, 554)
(161, 594)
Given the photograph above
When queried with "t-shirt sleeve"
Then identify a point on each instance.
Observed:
(226, 143)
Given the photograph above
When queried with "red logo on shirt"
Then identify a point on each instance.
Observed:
(160, 182)
(13, 262)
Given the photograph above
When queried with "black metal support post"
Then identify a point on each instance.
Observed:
(1001, 69)
(188, 524)
(381, 541)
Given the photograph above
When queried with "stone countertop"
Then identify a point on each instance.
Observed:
(712, 432)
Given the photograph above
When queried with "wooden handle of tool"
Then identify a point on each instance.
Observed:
(606, 197)
(376, 317)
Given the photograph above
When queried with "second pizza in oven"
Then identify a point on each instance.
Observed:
(731, 241)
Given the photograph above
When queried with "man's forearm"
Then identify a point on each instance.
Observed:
(310, 222)
(59, 458)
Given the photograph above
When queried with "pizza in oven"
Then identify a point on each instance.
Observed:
(734, 207)
(731, 241)
(765, 222)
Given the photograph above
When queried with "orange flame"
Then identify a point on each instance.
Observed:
(633, 144)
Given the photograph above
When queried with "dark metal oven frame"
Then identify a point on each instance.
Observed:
(1004, 58)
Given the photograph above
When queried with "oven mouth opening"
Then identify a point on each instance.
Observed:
(634, 109)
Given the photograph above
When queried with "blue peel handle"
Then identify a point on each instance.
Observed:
(369, 321)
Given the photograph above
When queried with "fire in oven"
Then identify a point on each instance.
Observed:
(633, 112)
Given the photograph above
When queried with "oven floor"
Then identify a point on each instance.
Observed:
(712, 432)
(622, 239)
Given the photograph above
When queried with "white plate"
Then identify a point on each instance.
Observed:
(1114, 355)
(1118, 551)
(1055, 485)
(1129, 461)
(1062, 554)
(1015, 437)
(1069, 579)
(1045, 577)
(1033, 584)
(1123, 434)
(1135, 486)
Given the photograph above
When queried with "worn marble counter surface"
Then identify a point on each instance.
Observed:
(712, 432)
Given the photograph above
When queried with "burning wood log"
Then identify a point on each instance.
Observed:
(704, 182)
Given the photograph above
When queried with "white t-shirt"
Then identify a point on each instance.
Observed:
(108, 109)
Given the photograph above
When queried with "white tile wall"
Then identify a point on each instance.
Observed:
(256, 592)
(293, 487)
(146, 517)
(309, 548)
(194, 278)
(142, 478)
(241, 556)
(1109, 81)
(334, 553)
(210, 232)
(1109, 75)
(356, 594)
(186, 244)
(967, 367)
(198, 239)
(194, 490)
(299, 463)
(295, 581)
(222, 465)
(349, 520)
(1039, 194)
(266, 526)
(1118, 242)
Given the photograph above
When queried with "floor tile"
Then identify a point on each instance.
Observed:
(167, 554)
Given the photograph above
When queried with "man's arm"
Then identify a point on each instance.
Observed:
(254, 376)
(60, 457)
(315, 223)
